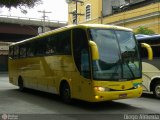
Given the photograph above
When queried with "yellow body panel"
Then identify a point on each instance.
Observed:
(46, 73)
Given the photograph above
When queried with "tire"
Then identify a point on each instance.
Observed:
(156, 90)
(65, 93)
(20, 84)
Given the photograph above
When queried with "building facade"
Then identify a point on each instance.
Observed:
(128, 13)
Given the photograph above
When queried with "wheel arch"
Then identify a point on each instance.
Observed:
(154, 82)
(63, 82)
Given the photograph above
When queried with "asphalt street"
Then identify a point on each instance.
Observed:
(38, 105)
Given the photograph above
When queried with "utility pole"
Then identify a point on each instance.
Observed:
(44, 18)
(76, 13)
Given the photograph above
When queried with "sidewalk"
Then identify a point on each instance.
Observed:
(3, 74)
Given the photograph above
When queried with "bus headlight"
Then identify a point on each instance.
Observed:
(101, 89)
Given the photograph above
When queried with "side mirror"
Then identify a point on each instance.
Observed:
(94, 50)
(149, 50)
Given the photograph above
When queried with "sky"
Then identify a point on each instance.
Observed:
(58, 9)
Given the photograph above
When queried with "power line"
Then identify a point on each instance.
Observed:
(44, 18)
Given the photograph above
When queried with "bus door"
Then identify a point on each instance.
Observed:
(81, 82)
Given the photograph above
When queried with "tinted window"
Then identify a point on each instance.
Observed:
(143, 52)
(16, 51)
(59, 43)
(156, 50)
(155, 47)
(64, 39)
(51, 45)
(30, 49)
(155, 44)
(22, 50)
(11, 52)
(81, 52)
(40, 47)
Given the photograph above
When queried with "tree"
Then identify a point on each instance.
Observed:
(19, 3)
(144, 30)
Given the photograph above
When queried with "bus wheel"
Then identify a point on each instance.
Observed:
(157, 90)
(65, 93)
(20, 84)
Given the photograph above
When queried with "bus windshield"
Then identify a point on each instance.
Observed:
(118, 55)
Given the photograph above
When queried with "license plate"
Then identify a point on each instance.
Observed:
(122, 95)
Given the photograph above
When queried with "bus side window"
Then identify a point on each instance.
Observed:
(30, 49)
(144, 53)
(51, 46)
(16, 51)
(11, 52)
(59, 44)
(63, 43)
(22, 50)
(156, 51)
(81, 52)
(40, 47)
(50, 49)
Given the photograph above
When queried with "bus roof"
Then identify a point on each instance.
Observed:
(105, 26)
(71, 27)
(147, 37)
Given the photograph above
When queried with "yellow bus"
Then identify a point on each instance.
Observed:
(91, 62)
